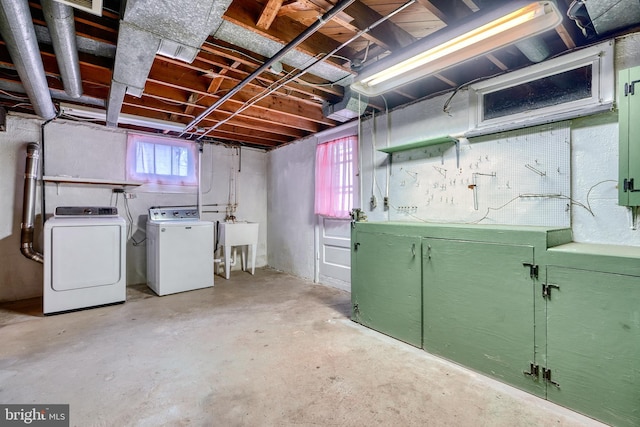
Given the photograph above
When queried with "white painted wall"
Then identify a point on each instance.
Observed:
(593, 158)
(290, 202)
(92, 151)
(19, 277)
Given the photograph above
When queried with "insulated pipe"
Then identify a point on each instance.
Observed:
(16, 27)
(29, 204)
(59, 19)
(275, 58)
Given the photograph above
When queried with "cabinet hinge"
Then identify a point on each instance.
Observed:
(546, 375)
(627, 185)
(629, 88)
(534, 370)
(546, 290)
(533, 269)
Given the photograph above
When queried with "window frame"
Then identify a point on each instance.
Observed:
(348, 160)
(599, 56)
(190, 180)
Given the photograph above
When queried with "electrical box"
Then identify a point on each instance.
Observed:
(629, 137)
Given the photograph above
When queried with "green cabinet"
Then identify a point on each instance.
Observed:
(524, 305)
(593, 343)
(478, 307)
(386, 293)
(629, 137)
(592, 319)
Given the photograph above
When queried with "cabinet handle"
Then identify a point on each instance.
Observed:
(413, 250)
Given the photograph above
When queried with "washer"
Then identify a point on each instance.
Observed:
(179, 250)
(84, 258)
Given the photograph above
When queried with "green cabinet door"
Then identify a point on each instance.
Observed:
(478, 307)
(593, 343)
(629, 137)
(386, 291)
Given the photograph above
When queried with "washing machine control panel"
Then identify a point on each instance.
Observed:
(173, 213)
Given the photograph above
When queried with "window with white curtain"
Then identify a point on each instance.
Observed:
(158, 160)
(336, 177)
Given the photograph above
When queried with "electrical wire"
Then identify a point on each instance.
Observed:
(295, 75)
(79, 119)
(594, 186)
(21, 98)
(130, 221)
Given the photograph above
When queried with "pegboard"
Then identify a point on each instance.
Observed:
(519, 177)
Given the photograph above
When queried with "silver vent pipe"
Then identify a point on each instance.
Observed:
(16, 27)
(59, 19)
(29, 204)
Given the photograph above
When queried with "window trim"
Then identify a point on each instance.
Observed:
(338, 191)
(599, 56)
(190, 180)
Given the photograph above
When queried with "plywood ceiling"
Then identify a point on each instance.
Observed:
(177, 91)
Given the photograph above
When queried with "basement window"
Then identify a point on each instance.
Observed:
(164, 161)
(335, 183)
(573, 85)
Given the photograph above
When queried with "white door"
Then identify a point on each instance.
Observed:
(333, 252)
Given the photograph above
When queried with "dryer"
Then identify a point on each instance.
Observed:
(84, 258)
(179, 250)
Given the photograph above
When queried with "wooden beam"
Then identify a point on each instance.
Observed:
(217, 81)
(268, 14)
(283, 30)
(447, 11)
(491, 57)
(386, 34)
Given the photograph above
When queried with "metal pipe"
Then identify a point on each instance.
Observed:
(199, 201)
(277, 85)
(275, 58)
(16, 27)
(29, 204)
(59, 19)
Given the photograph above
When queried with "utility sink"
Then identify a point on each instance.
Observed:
(243, 234)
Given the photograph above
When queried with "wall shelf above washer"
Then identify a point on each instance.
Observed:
(78, 180)
(424, 143)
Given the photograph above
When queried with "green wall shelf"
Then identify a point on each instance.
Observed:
(420, 144)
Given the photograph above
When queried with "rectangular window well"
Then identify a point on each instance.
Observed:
(568, 86)
(573, 85)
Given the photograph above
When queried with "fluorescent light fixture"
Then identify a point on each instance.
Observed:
(129, 119)
(504, 26)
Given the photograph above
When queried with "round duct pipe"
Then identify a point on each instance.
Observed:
(16, 27)
(59, 19)
(29, 204)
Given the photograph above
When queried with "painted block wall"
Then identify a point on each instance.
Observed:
(290, 203)
(92, 151)
(593, 159)
(19, 277)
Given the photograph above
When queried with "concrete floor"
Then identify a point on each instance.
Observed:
(263, 350)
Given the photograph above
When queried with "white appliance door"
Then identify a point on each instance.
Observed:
(185, 257)
(85, 256)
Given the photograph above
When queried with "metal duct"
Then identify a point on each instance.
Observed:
(29, 204)
(59, 19)
(175, 28)
(16, 27)
(535, 49)
(611, 15)
(351, 106)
